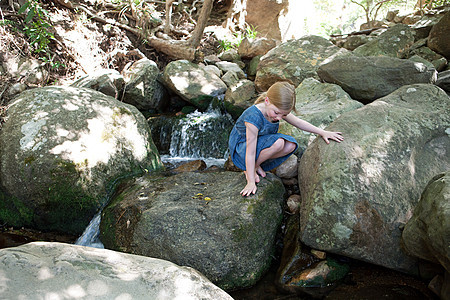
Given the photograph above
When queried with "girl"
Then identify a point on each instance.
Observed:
(256, 147)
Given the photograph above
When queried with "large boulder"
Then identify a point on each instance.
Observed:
(438, 38)
(394, 42)
(143, 88)
(294, 61)
(250, 48)
(199, 220)
(192, 83)
(273, 12)
(43, 270)
(61, 151)
(373, 77)
(358, 194)
(427, 233)
(319, 104)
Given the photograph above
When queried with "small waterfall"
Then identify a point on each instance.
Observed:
(90, 236)
(200, 136)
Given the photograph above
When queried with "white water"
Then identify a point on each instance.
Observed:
(90, 236)
(183, 148)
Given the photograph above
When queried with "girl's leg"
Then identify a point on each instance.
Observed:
(280, 148)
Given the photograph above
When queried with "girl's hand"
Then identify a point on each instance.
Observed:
(330, 135)
(249, 189)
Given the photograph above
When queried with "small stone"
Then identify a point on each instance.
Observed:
(195, 165)
(293, 203)
(319, 254)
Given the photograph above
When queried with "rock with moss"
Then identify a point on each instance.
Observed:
(199, 220)
(368, 78)
(427, 233)
(294, 61)
(143, 88)
(193, 83)
(61, 271)
(357, 195)
(394, 42)
(319, 104)
(62, 149)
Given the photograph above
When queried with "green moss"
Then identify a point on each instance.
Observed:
(13, 212)
(28, 160)
(67, 207)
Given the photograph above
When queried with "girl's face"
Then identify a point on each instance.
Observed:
(274, 114)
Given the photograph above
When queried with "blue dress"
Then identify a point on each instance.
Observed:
(267, 135)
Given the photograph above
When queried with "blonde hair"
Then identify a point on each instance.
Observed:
(281, 94)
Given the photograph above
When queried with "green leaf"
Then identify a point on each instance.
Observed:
(30, 15)
(23, 8)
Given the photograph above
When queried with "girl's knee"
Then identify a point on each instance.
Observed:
(289, 147)
(278, 145)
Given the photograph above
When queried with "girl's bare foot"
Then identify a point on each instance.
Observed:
(260, 171)
(256, 176)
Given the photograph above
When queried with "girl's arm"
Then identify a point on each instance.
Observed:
(250, 159)
(303, 125)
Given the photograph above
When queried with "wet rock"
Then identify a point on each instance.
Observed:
(192, 166)
(293, 203)
(301, 271)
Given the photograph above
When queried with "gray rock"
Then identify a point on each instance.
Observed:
(42, 270)
(213, 69)
(419, 59)
(394, 42)
(294, 61)
(228, 238)
(372, 77)
(358, 194)
(61, 151)
(143, 88)
(438, 38)
(319, 104)
(354, 41)
(251, 48)
(109, 82)
(443, 80)
(427, 233)
(192, 83)
(240, 92)
(226, 66)
(289, 168)
(230, 78)
(230, 55)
